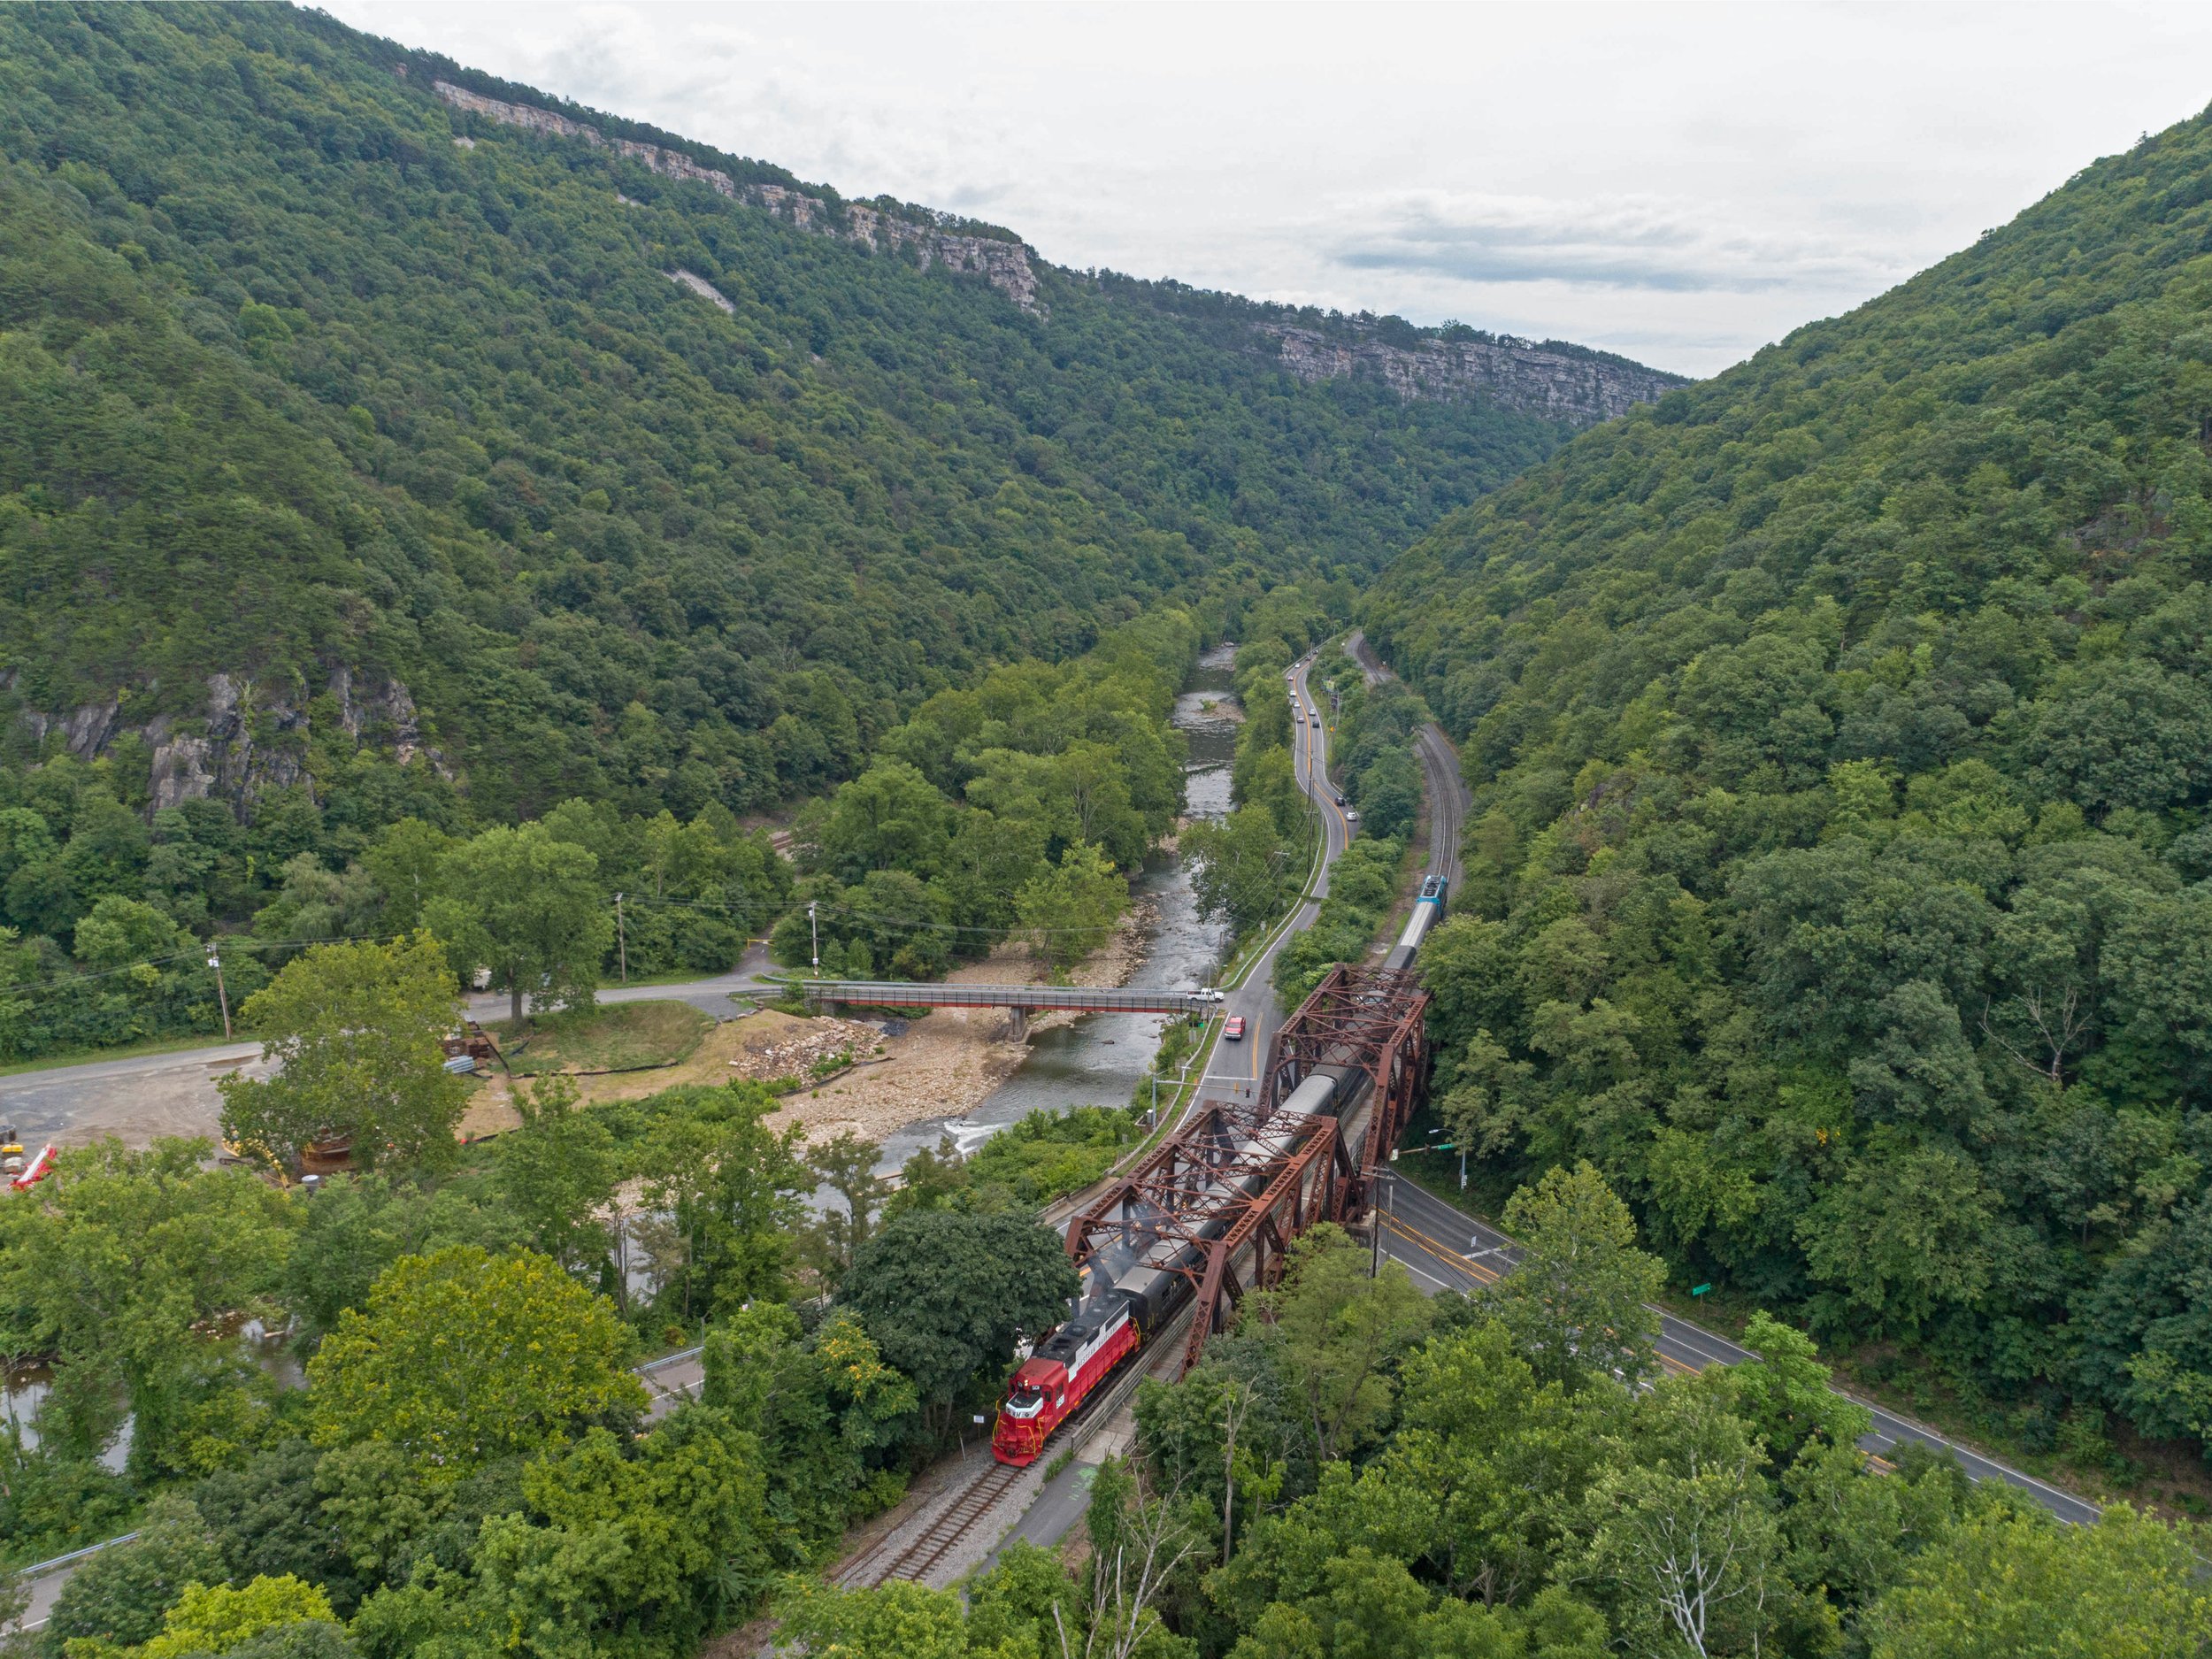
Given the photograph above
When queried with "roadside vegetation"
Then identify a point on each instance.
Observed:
(1836, 875)
(467, 1316)
(1359, 1469)
(1363, 895)
(470, 1453)
(1250, 868)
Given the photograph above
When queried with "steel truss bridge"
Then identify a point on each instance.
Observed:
(1238, 1182)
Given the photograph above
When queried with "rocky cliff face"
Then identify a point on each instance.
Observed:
(1005, 265)
(1513, 374)
(246, 745)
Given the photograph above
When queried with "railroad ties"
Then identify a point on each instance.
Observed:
(890, 1557)
(1237, 1179)
(898, 1556)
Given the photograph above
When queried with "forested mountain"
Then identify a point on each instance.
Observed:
(353, 401)
(1841, 730)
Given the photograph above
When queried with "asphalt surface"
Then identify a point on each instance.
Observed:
(1444, 1249)
(151, 1096)
(1234, 1069)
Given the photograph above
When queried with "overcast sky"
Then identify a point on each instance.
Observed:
(1681, 183)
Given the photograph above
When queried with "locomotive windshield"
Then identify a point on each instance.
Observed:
(1024, 1400)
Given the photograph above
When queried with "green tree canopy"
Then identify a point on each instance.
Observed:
(354, 1032)
(531, 908)
(945, 1295)
(2015, 1583)
(122, 1270)
(1578, 1302)
(463, 1356)
(1072, 906)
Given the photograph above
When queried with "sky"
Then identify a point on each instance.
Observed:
(1680, 183)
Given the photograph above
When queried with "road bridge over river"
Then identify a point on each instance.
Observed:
(1020, 999)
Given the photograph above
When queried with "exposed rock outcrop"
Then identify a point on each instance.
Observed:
(244, 745)
(1515, 374)
(84, 731)
(699, 286)
(1005, 265)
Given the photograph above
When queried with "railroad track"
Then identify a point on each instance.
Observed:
(916, 1557)
(920, 1554)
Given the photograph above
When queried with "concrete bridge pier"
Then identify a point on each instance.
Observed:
(1017, 1023)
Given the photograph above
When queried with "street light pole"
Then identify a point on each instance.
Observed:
(817, 930)
(621, 940)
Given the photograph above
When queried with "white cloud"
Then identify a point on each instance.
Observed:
(1604, 241)
(1682, 183)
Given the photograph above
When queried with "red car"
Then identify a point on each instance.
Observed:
(1234, 1029)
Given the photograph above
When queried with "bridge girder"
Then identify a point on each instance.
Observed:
(1190, 1188)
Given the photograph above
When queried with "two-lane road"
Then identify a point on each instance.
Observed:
(1444, 1249)
(1234, 1070)
(144, 1096)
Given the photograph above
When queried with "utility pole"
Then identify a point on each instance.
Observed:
(621, 943)
(816, 927)
(215, 961)
(1375, 1219)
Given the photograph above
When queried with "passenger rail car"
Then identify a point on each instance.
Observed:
(1428, 909)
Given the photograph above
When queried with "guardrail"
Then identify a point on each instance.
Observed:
(1035, 998)
(39, 1568)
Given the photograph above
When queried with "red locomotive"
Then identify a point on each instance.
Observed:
(1058, 1378)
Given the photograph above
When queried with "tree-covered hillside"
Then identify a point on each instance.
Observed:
(1841, 730)
(507, 454)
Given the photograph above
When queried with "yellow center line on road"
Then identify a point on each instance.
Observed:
(1438, 1248)
(1445, 1254)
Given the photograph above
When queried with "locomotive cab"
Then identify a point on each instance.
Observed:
(1040, 1386)
(1056, 1379)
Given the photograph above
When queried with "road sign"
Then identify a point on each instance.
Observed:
(1698, 1290)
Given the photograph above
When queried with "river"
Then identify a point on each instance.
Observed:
(1099, 1059)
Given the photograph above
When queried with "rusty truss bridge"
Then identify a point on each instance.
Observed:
(1239, 1180)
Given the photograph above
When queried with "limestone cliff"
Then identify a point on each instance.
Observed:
(1550, 381)
(1005, 265)
(246, 743)
(1580, 388)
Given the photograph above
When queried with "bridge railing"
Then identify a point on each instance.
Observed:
(1033, 998)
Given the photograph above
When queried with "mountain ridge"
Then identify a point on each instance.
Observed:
(464, 431)
(1841, 862)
